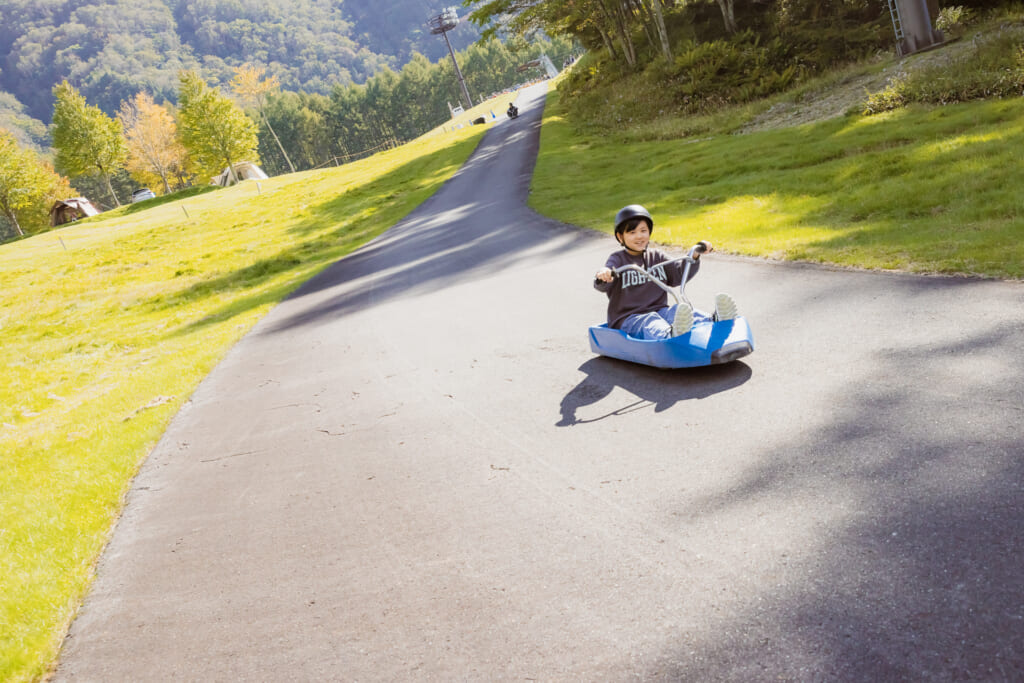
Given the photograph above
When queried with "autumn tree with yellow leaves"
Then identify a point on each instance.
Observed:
(154, 151)
(28, 187)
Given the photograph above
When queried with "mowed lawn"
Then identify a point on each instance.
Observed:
(107, 326)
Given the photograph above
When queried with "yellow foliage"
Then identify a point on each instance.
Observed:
(155, 156)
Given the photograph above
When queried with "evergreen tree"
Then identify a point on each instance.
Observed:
(301, 119)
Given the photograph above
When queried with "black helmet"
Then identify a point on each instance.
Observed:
(632, 211)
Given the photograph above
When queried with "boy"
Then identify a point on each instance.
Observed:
(637, 306)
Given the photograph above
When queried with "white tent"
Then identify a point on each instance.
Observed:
(244, 170)
(67, 210)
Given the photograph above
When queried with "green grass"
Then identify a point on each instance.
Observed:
(108, 326)
(928, 190)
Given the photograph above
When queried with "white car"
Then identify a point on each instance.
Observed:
(142, 194)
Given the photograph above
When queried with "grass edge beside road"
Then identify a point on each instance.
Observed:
(110, 324)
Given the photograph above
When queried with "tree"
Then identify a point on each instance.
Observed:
(27, 185)
(214, 130)
(88, 142)
(659, 22)
(153, 147)
(302, 120)
(608, 19)
(728, 15)
(250, 85)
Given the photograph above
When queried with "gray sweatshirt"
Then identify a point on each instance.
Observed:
(631, 293)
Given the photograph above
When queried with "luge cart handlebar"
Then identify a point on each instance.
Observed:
(689, 260)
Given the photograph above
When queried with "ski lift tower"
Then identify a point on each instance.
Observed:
(912, 23)
(442, 23)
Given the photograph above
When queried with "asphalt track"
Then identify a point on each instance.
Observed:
(415, 469)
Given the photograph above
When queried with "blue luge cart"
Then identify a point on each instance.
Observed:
(707, 343)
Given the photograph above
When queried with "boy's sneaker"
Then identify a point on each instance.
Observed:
(683, 320)
(725, 308)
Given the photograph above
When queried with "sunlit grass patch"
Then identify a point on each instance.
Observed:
(771, 222)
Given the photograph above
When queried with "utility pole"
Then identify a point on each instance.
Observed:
(444, 22)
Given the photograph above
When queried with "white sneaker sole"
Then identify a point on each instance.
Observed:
(725, 308)
(683, 321)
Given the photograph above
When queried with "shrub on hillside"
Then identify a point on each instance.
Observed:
(994, 68)
(705, 75)
(711, 70)
(952, 20)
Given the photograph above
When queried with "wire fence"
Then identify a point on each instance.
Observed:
(390, 143)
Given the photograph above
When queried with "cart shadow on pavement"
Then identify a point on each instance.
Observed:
(651, 386)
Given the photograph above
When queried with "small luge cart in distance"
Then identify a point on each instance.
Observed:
(707, 343)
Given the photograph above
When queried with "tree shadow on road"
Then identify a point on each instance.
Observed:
(910, 564)
(413, 259)
(475, 224)
(651, 386)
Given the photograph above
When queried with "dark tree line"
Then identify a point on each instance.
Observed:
(638, 32)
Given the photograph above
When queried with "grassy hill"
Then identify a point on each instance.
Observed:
(928, 186)
(921, 190)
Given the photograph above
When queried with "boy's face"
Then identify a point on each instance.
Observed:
(635, 240)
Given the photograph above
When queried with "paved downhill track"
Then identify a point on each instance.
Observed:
(415, 469)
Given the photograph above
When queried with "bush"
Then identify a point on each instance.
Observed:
(951, 20)
(708, 75)
(886, 100)
(993, 69)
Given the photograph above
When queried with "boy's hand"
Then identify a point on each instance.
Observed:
(707, 247)
(605, 275)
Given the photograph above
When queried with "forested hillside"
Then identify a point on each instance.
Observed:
(111, 49)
